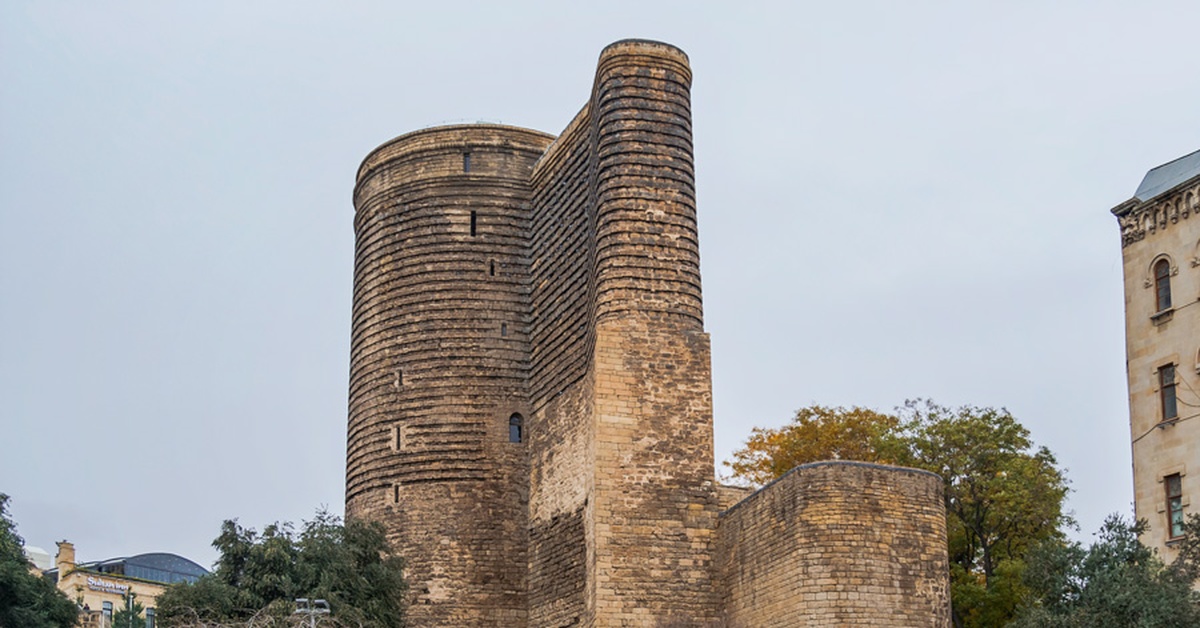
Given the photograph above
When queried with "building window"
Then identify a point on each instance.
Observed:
(1174, 485)
(466, 162)
(515, 426)
(474, 220)
(492, 268)
(106, 610)
(503, 329)
(1162, 285)
(1166, 392)
(149, 618)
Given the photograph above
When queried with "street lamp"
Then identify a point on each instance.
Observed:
(312, 608)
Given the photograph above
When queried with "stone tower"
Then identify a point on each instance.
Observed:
(531, 398)
(439, 364)
(1160, 250)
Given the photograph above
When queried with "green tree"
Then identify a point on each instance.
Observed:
(27, 600)
(131, 615)
(1114, 583)
(260, 575)
(816, 433)
(1003, 495)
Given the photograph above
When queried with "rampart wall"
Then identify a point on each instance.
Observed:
(838, 544)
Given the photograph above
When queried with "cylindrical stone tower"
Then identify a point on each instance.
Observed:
(439, 364)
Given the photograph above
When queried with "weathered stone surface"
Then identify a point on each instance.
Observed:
(837, 544)
(439, 362)
(501, 271)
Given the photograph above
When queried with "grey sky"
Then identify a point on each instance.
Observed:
(896, 200)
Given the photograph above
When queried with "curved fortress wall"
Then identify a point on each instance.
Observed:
(439, 361)
(838, 544)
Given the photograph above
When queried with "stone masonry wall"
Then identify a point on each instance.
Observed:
(439, 362)
(838, 544)
(560, 433)
(655, 499)
(620, 382)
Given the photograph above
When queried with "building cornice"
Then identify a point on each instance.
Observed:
(1140, 218)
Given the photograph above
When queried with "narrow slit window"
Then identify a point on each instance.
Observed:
(492, 268)
(466, 162)
(503, 329)
(516, 426)
(1166, 392)
(398, 381)
(395, 493)
(474, 221)
(395, 439)
(1174, 485)
(1162, 285)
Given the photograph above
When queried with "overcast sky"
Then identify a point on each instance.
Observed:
(897, 199)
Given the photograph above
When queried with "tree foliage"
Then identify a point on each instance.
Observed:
(1114, 583)
(26, 599)
(1003, 495)
(130, 615)
(816, 433)
(258, 576)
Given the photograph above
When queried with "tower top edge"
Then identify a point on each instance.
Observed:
(458, 134)
(646, 46)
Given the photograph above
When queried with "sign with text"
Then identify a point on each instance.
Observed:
(107, 586)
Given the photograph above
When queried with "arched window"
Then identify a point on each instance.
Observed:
(1162, 284)
(516, 427)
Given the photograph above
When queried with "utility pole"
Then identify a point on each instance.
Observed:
(312, 608)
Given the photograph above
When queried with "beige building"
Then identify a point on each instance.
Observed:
(1160, 240)
(103, 588)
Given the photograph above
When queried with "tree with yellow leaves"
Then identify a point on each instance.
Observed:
(1003, 495)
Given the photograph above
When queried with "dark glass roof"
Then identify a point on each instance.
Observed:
(167, 562)
(155, 566)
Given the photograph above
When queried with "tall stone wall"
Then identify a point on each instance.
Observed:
(622, 503)
(562, 254)
(655, 498)
(439, 363)
(838, 544)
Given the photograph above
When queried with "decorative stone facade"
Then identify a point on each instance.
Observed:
(1160, 231)
(531, 401)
